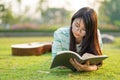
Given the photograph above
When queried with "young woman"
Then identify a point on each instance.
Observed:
(82, 37)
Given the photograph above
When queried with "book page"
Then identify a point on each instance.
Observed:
(94, 59)
(87, 55)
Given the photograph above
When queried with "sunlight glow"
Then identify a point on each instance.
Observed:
(32, 4)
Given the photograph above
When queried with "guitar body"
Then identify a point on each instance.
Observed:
(29, 49)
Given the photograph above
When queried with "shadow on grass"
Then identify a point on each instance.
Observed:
(66, 72)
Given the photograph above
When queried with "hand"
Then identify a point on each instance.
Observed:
(83, 67)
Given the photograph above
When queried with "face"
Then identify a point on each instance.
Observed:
(78, 29)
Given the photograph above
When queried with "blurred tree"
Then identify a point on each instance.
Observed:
(1, 12)
(7, 17)
(20, 3)
(42, 5)
(23, 13)
(24, 17)
(52, 15)
(56, 15)
(20, 10)
(110, 12)
(1, 7)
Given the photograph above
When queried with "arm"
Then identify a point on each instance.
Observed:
(56, 46)
(61, 41)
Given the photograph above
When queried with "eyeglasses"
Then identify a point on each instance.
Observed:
(75, 28)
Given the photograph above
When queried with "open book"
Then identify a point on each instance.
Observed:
(62, 59)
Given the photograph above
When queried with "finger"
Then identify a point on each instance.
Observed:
(74, 64)
(71, 61)
(79, 66)
(87, 63)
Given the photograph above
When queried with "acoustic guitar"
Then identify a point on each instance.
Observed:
(28, 49)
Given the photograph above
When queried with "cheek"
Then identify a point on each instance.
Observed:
(83, 33)
(74, 33)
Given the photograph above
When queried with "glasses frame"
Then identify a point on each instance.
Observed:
(75, 28)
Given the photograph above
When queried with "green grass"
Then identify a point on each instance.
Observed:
(37, 67)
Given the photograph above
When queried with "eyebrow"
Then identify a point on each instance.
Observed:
(76, 23)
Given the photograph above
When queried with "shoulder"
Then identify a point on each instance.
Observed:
(98, 30)
(63, 30)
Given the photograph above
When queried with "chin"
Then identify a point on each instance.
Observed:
(77, 37)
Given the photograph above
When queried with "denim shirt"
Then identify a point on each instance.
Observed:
(62, 40)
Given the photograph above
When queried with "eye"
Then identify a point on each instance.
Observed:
(83, 29)
(77, 26)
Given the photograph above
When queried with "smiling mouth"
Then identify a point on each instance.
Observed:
(77, 35)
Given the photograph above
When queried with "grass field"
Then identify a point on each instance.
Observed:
(37, 67)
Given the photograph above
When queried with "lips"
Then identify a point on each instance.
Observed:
(77, 35)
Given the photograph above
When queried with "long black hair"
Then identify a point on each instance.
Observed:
(90, 42)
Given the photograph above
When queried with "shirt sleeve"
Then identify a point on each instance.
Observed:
(56, 46)
(100, 39)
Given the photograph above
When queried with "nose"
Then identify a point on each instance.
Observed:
(78, 32)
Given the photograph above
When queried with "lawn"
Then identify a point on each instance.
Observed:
(37, 67)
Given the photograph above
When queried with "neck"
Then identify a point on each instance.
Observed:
(78, 41)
